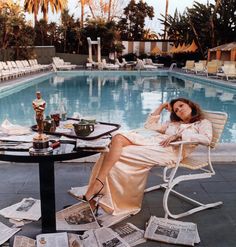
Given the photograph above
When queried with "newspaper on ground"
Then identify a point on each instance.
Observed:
(87, 239)
(74, 240)
(6, 232)
(106, 220)
(78, 217)
(78, 191)
(130, 233)
(52, 239)
(103, 218)
(106, 237)
(28, 209)
(172, 231)
(22, 241)
(19, 223)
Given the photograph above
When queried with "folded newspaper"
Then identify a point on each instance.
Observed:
(28, 209)
(22, 241)
(107, 237)
(100, 143)
(6, 232)
(78, 217)
(52, 240)
(103, 218)
(172, 231)
(130, 233)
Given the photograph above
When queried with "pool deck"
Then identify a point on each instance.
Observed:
(217, 227)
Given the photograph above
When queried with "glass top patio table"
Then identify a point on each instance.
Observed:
(46, 176)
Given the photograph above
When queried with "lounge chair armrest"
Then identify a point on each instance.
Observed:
(187, 143)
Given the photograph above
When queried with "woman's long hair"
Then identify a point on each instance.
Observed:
(196, 110)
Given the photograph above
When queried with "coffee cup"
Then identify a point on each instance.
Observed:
(83, 128)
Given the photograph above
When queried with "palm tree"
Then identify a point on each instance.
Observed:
(83, 3)
(32, 6)
(212, 22)
(166, 14)
(56, 5)
(109, 10)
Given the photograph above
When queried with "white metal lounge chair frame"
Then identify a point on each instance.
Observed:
(229, 71)
(171, 179)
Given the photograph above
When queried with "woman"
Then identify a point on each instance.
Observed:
(120, 175)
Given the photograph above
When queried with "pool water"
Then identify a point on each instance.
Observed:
(125, 99)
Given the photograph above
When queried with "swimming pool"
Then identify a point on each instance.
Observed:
(124, 98)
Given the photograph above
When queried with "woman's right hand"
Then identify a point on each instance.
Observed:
(163, 106)
(166, 106)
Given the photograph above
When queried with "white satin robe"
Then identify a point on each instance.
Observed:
(126, 181)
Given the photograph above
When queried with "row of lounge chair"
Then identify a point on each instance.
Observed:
(217, 68)
(145, 64)
(13, 69)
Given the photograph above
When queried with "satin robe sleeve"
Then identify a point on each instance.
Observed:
(202, 134)
(153, 123)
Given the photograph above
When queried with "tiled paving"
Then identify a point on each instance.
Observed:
(217, 227)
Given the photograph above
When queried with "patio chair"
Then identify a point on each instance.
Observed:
(212, 69)
(189, 65)
(199, 68)
(140, 65)
(109, 66)
(199, 169)
(59, 64)
(121, 65)
(4, 72)
(229, 71)
(150, 62)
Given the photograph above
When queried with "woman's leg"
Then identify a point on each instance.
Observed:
(118, 142)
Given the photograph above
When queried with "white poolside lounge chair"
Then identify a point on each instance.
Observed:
(141, 66)
(199, 68)
(148, 61)
(59, 64)
(109, 66)
(212, 68)
(4, 72)
(121, 65)
(196, 169)
(189, 65)
(229, 71)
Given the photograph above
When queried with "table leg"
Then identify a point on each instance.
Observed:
(47, 196)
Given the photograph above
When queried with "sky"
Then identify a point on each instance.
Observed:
(158, 5)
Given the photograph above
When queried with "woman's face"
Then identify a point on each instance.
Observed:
(183, 111)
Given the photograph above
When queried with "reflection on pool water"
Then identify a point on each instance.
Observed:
(124, 99)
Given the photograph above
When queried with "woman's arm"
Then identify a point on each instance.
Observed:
(204, 134)
(153, 119)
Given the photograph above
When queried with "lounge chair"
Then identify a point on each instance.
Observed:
(212, 68)
(8, 67)
(34, 63)
(229, 71)
(91, 63)
(189, 65)
(4, 72)
(109, 66)
(194, 169)
(22, 66)
(150, 62)
(121, 65)
(59, 64)
(199, 68)
(140, 65)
